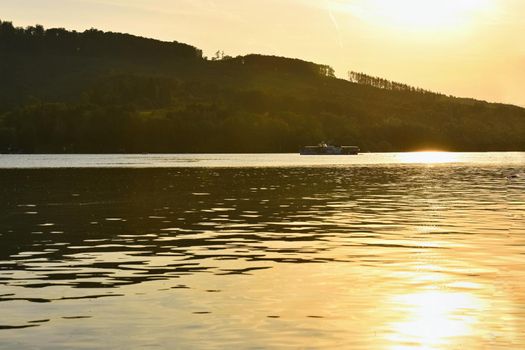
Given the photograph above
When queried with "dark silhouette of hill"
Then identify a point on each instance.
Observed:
(65, 91)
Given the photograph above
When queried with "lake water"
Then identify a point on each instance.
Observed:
(376, 251)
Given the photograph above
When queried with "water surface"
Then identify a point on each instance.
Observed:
(17, 161)
(392, 251)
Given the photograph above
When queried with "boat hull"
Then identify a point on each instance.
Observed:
(329, 150)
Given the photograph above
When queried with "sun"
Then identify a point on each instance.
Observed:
(417, 15)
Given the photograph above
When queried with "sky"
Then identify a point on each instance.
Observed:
(466, 48)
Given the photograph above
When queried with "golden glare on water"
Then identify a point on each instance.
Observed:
(428, 157)
(418, 14)
(434, 319)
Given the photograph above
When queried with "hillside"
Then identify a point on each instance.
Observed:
(64, 91)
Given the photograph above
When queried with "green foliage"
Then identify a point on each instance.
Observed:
(97, 92)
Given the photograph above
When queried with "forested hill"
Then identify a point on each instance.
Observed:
(64, 91)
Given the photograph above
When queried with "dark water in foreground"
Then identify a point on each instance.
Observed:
(383, 256)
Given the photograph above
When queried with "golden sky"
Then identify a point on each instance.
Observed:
(470, 48)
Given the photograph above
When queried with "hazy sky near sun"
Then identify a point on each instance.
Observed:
(471, 48)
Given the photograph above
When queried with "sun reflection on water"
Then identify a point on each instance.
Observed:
(433, 319)
(428, 157)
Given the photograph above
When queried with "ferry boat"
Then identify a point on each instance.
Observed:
(325, 149)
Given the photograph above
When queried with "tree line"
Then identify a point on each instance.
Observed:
(381, 83)
(59, 41)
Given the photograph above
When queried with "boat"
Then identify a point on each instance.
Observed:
(325, 149)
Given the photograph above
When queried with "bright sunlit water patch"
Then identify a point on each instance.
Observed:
(429, 157)
(433, 319)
